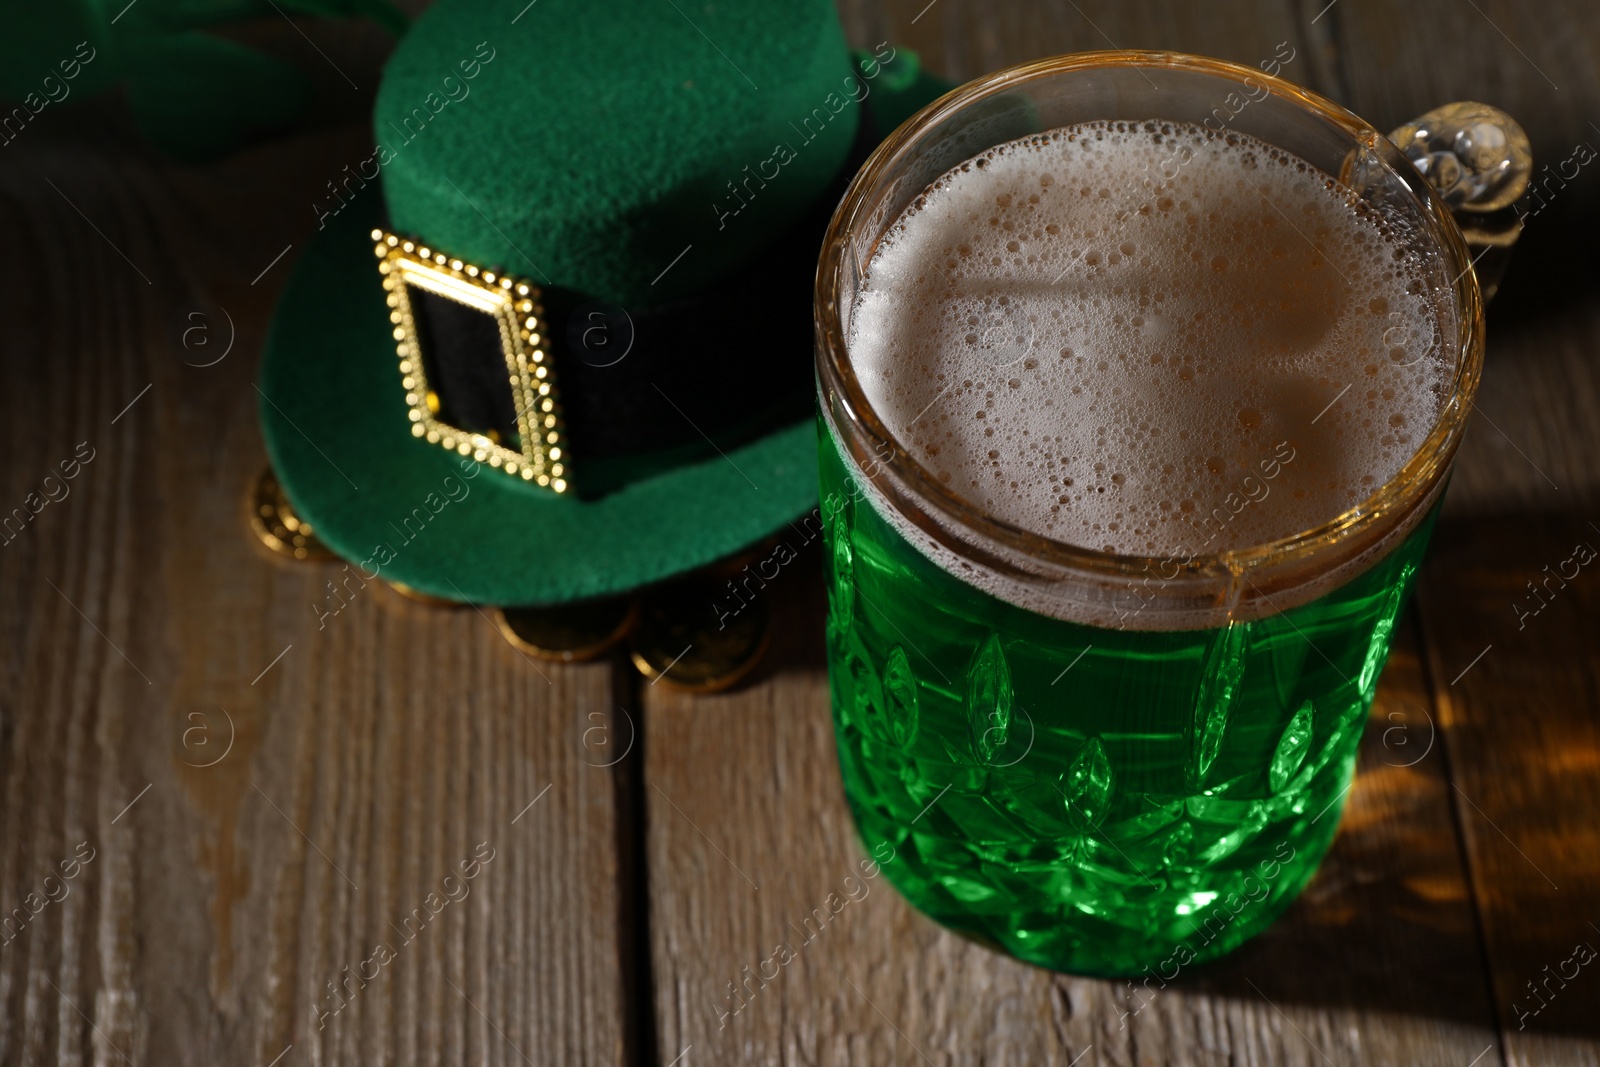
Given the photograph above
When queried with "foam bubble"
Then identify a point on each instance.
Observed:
(1149, 339)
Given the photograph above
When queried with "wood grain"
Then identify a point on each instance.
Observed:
(749, 833)
(1520, 726)
(265, 794)
(143, 632)
(1380, 961)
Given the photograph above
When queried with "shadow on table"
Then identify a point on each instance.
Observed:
(1395, 921)
(1553, 267)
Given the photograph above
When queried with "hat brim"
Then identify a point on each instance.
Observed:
(334, 419)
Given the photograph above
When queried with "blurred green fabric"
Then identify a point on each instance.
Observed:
(196, 95)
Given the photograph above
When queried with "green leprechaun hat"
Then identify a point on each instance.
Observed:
(552, 338)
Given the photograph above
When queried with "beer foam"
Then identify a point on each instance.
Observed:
(1150, 339)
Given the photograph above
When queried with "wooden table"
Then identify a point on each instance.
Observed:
(645, 848)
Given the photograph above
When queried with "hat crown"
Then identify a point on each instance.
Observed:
(635, 152)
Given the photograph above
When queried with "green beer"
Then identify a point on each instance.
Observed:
(1089, 795)
(1109, 595)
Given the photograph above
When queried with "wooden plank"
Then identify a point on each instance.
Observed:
(1379, 962)
(263, 796)
(748, 833)
(1524, 746)
(965, 38)
(1514, 669)
(1381, 958)
(1517, 693)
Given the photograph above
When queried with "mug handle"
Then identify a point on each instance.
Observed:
(1480, 162)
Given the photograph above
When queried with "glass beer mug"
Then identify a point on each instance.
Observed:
(1102, 761)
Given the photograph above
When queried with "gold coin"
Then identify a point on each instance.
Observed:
(278, 526)
(687, 640)
(420, 597)
(730, 566)
(569, 633)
